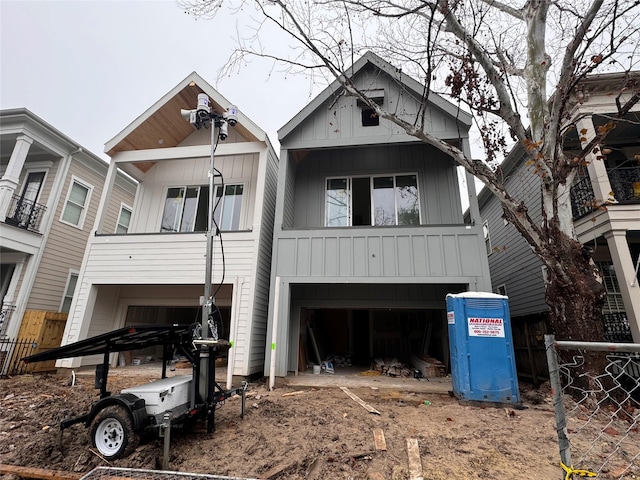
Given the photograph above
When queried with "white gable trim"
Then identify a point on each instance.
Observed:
(370, 57)
(208, 89)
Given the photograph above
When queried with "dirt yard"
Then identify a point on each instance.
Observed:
(318, 434)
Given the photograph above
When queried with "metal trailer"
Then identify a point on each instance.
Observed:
(117, 421)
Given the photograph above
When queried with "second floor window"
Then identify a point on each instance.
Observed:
(75, 208)
(123, 219)
(380, 200)
(185, 208)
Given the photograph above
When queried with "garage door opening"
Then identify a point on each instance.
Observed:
(360, 338)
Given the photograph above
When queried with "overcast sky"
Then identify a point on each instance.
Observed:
(89, 68)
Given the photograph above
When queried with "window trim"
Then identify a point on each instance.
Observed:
(124, 206)
(349, 179)
(85, 207)
(241, 217)
(71, 273)
(222, 203)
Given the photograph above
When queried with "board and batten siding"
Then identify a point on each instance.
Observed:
(65, 244)
(152, 194)
(339, 120)
(403, 253)
(512, 262)
(437, 180)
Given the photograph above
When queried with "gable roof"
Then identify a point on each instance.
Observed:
(162, 125)
(412, 85)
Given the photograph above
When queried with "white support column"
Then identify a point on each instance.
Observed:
(109, 182)
(474, 209)
(11, 177)
(626, 275)
(596, 168)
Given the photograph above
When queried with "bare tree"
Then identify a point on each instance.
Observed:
(503, 61)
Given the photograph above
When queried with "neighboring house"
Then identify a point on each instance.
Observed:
(369, 234)
(606, 209)
(50, 188)
(153, 270)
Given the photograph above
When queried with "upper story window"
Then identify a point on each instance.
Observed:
(75, 208)
(379, 200)
(185, 208)
(124, 219)
(228, 207)
(369, 116)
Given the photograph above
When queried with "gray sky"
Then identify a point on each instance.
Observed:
(89, 68)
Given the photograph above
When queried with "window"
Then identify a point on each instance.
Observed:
(370, 117)
(381, 200)
(123, 219)
(501, 290)
(185, 208)
(72, 281)
(487, 237)
(75, 208)
(228, 207)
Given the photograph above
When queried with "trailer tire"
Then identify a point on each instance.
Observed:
(112, 432)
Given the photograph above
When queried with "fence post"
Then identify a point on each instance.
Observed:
(558, 406)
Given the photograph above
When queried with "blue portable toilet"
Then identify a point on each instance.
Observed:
(483, 366)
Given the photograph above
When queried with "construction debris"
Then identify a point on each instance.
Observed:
(391, 367)
(357, 399)
(415, 464)
(428, 366)
(379, 440)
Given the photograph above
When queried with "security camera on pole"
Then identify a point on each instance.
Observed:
(207, 338)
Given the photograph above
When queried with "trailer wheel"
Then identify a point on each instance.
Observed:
(112, 432)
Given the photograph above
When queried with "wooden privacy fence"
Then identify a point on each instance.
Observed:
(40, 330)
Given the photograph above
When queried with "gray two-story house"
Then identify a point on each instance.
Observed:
(369, 234)
(606, 210)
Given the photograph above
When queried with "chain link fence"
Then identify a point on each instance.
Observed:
(596, 398)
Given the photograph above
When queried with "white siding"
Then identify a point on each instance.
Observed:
(153, 190)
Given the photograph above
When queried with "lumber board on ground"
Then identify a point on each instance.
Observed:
(357, 399)
(379, 440)
(415, 464)
(39, 473)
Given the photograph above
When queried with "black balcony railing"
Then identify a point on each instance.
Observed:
(25, 213)
(582, 198)
(616, 328)
(625, 183)
(5, 316)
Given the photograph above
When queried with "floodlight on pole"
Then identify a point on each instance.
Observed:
(208, 335)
